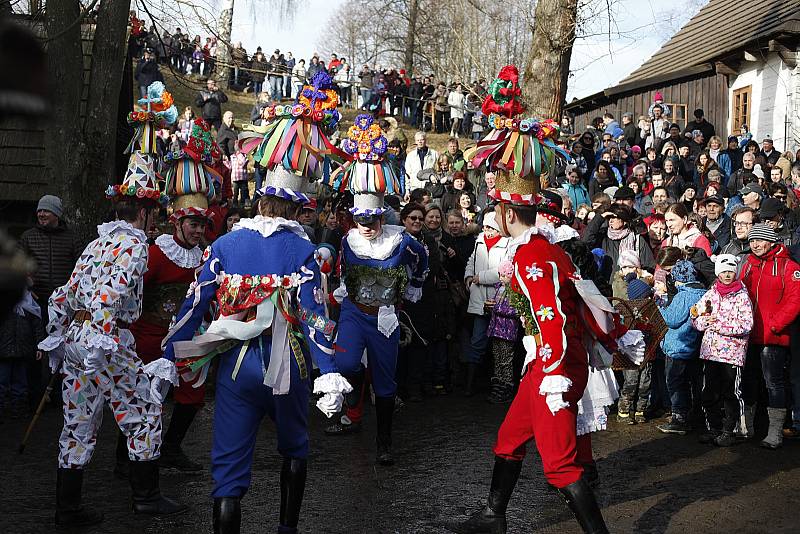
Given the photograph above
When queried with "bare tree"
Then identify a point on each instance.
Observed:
(224, 30)
(80, 148)
(544, 82)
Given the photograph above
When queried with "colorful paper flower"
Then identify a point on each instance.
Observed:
(534, 272)
(545, 313)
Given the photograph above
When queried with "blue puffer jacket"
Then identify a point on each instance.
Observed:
(682, 341)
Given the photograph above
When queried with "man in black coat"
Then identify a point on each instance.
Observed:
(716, 221)
(226, 135)
(210, 103)
(147, 72)
(700, 123)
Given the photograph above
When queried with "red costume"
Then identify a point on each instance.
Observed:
(165, 286)
(542, 281)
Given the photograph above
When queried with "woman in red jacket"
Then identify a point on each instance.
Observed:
(773, 280)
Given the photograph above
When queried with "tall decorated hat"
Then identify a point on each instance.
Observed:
(190, 174)
(367, 173)
(293, 139)
(156, 110)
(518, 150)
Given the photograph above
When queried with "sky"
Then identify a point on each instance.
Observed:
(598, 61)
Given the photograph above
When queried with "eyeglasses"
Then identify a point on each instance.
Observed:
(779, 197)
(410, 218)
(742, 224)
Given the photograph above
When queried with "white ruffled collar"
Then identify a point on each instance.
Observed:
(266, 226)
(545, 231)
(560, 233)
(106, 229)
(188, 258)
(379, 248)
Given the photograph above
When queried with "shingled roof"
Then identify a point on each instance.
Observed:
(721, 27)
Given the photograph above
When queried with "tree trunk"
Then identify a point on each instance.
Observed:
(65, 149)
(224, 30)
(109, 49)
(544, 84)
(80, 152)
(408, 60)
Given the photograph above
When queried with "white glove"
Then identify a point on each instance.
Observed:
(158, 390)
(95, 361)
(555, 401)
(333, 386)
(56, 358)
(162, 374)
(330, 404)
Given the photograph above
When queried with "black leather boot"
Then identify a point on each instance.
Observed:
(580, 499)
(227, 515)
(384, 409)
(172, 455)
(69, 510)
(122, 468)
(492, 518)
(147, 498)
(293, 485)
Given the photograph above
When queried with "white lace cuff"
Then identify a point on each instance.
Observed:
(554, 384)
(101, 341)
(632, 345)
(332, 383)
(413, 294)
(51, 343)
(164, 369)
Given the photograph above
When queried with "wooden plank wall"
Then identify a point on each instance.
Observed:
(23, 176)
(709, 92)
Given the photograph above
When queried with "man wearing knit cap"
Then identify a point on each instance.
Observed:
(773, 281)
(55, 249)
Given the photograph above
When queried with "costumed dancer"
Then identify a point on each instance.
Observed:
(379, 264)
(602, 389)
(544, 292)
(171, 265)
(264, 282)
(90, 339)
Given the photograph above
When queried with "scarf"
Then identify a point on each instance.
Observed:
(436, 235)
(491, 241)
(726, 289)
(626, 238)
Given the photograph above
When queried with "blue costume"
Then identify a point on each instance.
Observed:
(376, 274)
(266, 285)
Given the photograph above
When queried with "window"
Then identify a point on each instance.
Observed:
(741, 107)
(678, 114)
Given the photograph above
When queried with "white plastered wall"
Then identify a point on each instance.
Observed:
(775, 100)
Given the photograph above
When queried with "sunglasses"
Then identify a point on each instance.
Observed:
(415, 218)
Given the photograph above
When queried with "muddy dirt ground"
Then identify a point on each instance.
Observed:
(650, 482)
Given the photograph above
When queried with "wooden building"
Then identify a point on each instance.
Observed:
(738, 65)
(24, 177)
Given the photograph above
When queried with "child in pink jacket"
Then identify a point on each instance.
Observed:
(725, 314)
